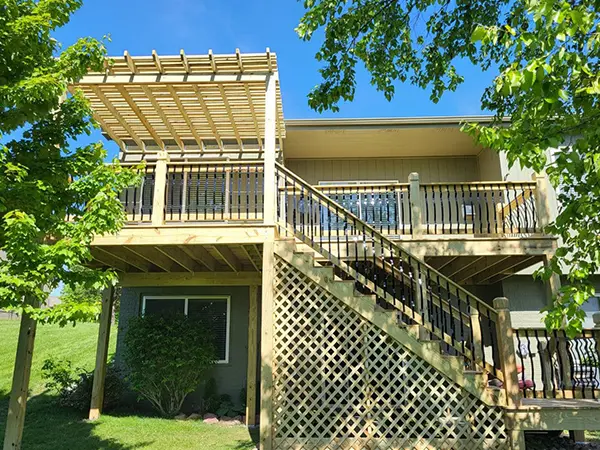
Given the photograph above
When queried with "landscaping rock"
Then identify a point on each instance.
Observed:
(211, 420)
(209, 416)
(194, 416)
(180, 417)
(229, 421)
(239, 419)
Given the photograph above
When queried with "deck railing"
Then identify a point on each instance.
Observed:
(217, 191)
(552, 365)
(475, 208)
(214, 192)
(233, 191)
(464, 324)
(482, 208)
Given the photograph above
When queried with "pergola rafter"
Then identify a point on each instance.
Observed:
(185, 103)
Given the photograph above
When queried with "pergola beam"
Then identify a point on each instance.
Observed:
(185, 116)
(230, 115)
(183, 78)
(208, 116)
(104, 99)
(140, 115)
(164, 117)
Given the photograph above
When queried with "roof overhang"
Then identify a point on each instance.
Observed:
(184, 103)
(381, 137)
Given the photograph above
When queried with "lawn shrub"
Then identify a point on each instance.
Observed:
(74, 385)
(167, 357)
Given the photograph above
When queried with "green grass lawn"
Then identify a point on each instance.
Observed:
(49, 427)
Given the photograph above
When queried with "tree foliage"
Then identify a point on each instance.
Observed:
(546, 56)
(45, 176)
(167, 356)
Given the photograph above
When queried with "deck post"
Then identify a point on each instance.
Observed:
(160, 183)
(266, 353)
(15, 420)
(101, 353)
(506, 351)
(270, 210)
(542, 202)
(508, 362)
(416, 205)
(252, 357)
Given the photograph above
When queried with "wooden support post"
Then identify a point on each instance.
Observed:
(101, 353)
(517, 439)
(266, 371)
(508, 361)
(15, 420)
(506, 351)
(160, 184)
(270, 210)
(416, 205)
(252, 357)
(542, 202)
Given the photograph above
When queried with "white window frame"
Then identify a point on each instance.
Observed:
(186, 299)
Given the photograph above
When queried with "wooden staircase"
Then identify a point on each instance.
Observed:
(411, 336)
(340, 284)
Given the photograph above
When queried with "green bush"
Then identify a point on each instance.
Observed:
(74, 385)
(167, 357)
(211, 399)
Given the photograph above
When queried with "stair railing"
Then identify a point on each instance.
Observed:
(465, 325)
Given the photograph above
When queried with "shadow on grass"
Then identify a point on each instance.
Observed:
(50, 427)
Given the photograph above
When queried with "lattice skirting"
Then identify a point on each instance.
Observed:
(342, 383)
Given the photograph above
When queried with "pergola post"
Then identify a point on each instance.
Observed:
(269, 149)
(252, 357)
(101, 354)
(268, 268)
(15, 420)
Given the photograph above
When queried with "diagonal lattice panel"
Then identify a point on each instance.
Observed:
(342, 383)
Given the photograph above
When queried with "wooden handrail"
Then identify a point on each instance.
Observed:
(369, 230)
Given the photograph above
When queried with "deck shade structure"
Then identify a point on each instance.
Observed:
(210, 106)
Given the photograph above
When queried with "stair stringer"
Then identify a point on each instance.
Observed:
(344, 374)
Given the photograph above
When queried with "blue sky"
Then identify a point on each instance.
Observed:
(224, 25)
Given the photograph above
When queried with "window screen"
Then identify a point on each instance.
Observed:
(212, 312)
(164, 306)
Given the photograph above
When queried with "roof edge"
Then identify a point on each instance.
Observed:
(377, 122)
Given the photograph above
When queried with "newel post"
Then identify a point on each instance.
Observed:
(508, 362)
(160, 185)
(506, 352)
(542, 201)
(416, 205)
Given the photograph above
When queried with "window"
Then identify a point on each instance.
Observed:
(377, 207)
(212, 311)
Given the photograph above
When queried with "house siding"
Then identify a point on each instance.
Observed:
(431, 170)
(230, 377)
(528, 296)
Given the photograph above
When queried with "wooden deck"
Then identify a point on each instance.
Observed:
(555, 414)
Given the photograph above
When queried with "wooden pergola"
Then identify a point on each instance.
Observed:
(187, 108)
(192, 105)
